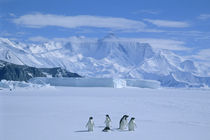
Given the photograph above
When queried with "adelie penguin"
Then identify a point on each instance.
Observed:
(107, 121)
(90, 124)
(123, 122)
(132, 124)
(108, 124)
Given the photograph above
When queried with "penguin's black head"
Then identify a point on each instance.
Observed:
(107, 115)
(126, 116)
(132, 118)
(91, 118)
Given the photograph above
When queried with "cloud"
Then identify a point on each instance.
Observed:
(168, 23)
(38, 39)
(202, 55)
(156, 43)
(41, 20)
(143, 30)
(8, 34)
(12, 15)
(204, 16)
(168, 44)
(5, 34)
(203, 58)
(147, 11)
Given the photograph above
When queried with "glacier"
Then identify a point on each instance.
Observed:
(95, 82)
(108, 57)
(13, 85)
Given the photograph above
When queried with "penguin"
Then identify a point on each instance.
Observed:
(90, 124)
(108, 121)
(123, 122)
(132, 124)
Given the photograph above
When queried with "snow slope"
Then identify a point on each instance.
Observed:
(109, 57)
(62, 113)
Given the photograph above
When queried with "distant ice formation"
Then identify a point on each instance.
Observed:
(96, 82)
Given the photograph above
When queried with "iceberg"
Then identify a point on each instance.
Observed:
(74, 82)
(119, 83)
(142, 83)
(95, 82)
(12, 85)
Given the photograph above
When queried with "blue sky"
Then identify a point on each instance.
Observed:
(182, 26)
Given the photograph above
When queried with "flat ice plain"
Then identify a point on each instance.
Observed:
(61, 113)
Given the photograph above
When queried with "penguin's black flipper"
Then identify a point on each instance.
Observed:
(106, 129)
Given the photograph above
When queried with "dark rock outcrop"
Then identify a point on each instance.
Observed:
(9, 71)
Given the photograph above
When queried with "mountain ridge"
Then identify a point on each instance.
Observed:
(110, 56)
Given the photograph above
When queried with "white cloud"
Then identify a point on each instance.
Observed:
(5, 34)
(168, 44)
(202, 55)
(144, 30)
(156, 43)
(38, 39)
(41, 20)
(204, 16)
(168, 23)
(147, 11)
(203, 58)
(12, 15)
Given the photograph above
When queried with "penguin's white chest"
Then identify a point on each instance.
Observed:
(108, 122)
(131, 126)
(123, 124)
(90, 125)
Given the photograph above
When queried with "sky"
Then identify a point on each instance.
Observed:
(182, 26)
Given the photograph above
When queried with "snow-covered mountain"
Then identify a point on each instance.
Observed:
(107, 57)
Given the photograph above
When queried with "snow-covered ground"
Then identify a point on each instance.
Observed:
(61, 113)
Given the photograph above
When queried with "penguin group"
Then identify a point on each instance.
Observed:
(123, 124)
